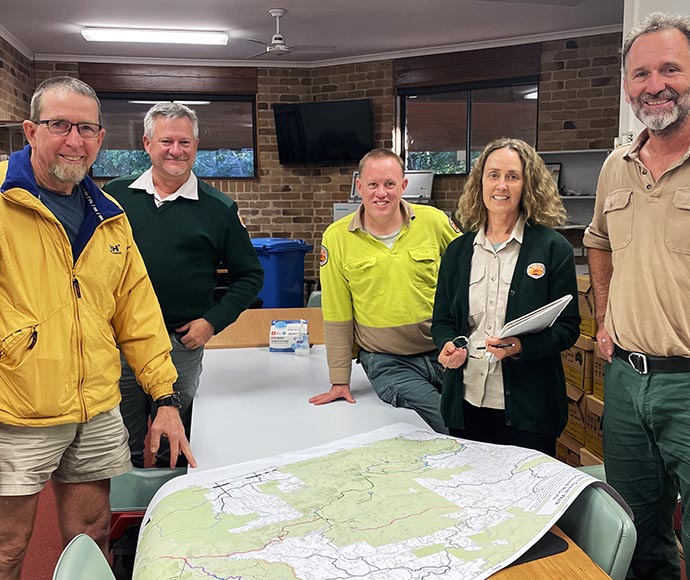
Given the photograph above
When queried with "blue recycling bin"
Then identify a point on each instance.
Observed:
(283, 263)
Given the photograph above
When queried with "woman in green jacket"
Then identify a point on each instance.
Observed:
(509, 262)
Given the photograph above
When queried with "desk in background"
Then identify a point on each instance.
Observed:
(253, 326)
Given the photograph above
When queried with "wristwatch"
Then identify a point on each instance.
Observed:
(169, 401)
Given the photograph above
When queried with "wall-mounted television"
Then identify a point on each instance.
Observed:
(324, 131)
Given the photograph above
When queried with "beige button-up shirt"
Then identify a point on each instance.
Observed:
(490, 278)
(645, 224)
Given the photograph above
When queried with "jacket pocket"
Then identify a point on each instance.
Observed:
(678, 221)
(16, 347)
(365, 278)
(618, 209)
(424, 262)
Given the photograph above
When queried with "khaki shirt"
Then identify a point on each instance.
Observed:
(646, 226)
(490, 278)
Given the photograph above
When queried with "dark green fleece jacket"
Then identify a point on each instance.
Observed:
(182, 243)
(534, 383)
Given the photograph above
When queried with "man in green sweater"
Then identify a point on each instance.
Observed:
(184, 229)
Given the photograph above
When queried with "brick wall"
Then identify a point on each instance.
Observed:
(579, 92)
(580, 84)
(49, 70)
(16, 85)
(296, 201)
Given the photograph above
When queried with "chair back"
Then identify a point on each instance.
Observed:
(133, 491)
(82, 559)
(603, 529)
(314, 300)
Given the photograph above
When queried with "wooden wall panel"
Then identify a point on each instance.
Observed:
(467, 67)
(134, 78)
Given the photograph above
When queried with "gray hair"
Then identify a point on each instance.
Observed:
(170, 110)
(656, 22)
(380, 154)
(68, 84)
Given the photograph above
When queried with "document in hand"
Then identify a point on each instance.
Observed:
(537, 320)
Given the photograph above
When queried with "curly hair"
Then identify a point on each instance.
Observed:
(540, 204)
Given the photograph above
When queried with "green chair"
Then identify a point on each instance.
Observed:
(131, 493)
(601, 527)
(82, 559)
(314, 300)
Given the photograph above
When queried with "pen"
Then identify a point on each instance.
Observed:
(503, 345)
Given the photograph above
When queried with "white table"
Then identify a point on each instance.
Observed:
(253, 403)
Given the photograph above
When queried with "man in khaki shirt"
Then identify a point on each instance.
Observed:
(639, 258)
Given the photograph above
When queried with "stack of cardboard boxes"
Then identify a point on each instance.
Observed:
(581, 442)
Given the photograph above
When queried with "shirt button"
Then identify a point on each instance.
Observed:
(493, 279)
(509, 422)
(644, 172)
(649, 186)
(512, 292)
(507, 391)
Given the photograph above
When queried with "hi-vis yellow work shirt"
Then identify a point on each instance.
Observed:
(378, 297)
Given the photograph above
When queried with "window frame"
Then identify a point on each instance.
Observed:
(170, 96)
(469, 87)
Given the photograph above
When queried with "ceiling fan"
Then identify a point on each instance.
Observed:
(277, 46)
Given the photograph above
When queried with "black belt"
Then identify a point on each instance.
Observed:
(645, 363)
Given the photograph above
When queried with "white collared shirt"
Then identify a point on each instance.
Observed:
(490, 278)
(189, 188)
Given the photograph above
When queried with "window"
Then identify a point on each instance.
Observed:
(227, 143)
(445, 130)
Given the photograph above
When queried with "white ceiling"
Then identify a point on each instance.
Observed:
(358, 29)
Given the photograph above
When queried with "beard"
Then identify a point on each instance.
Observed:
(68, 172)
(662, 120)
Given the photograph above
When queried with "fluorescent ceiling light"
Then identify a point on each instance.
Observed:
(154, 36)
(179, 102)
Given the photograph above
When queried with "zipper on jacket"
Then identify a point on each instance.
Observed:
(77, 288)
(33, 339)
(80, 343)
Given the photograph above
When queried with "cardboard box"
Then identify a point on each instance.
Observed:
(577, 363)
(598, 366)
(585, 304)
(576, 414)
(568, 450)
(588, 458)
(593, 437)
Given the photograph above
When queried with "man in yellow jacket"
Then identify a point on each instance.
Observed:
(73, 288)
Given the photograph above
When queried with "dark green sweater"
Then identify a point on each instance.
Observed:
(534, 384)
(182, 243)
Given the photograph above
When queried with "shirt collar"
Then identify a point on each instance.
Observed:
(517, 234)
(188, 190)
(356, 222)
(633, 152)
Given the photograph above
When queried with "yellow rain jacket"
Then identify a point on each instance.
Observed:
(64, 309)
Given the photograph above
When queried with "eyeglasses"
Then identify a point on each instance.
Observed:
(60, 127)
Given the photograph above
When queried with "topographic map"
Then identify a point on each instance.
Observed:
(393, 504)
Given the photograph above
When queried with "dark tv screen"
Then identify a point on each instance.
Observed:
(323, 132)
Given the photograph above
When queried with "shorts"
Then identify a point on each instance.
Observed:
(71, 453)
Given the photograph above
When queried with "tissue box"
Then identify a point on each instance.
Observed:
(284, 332)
